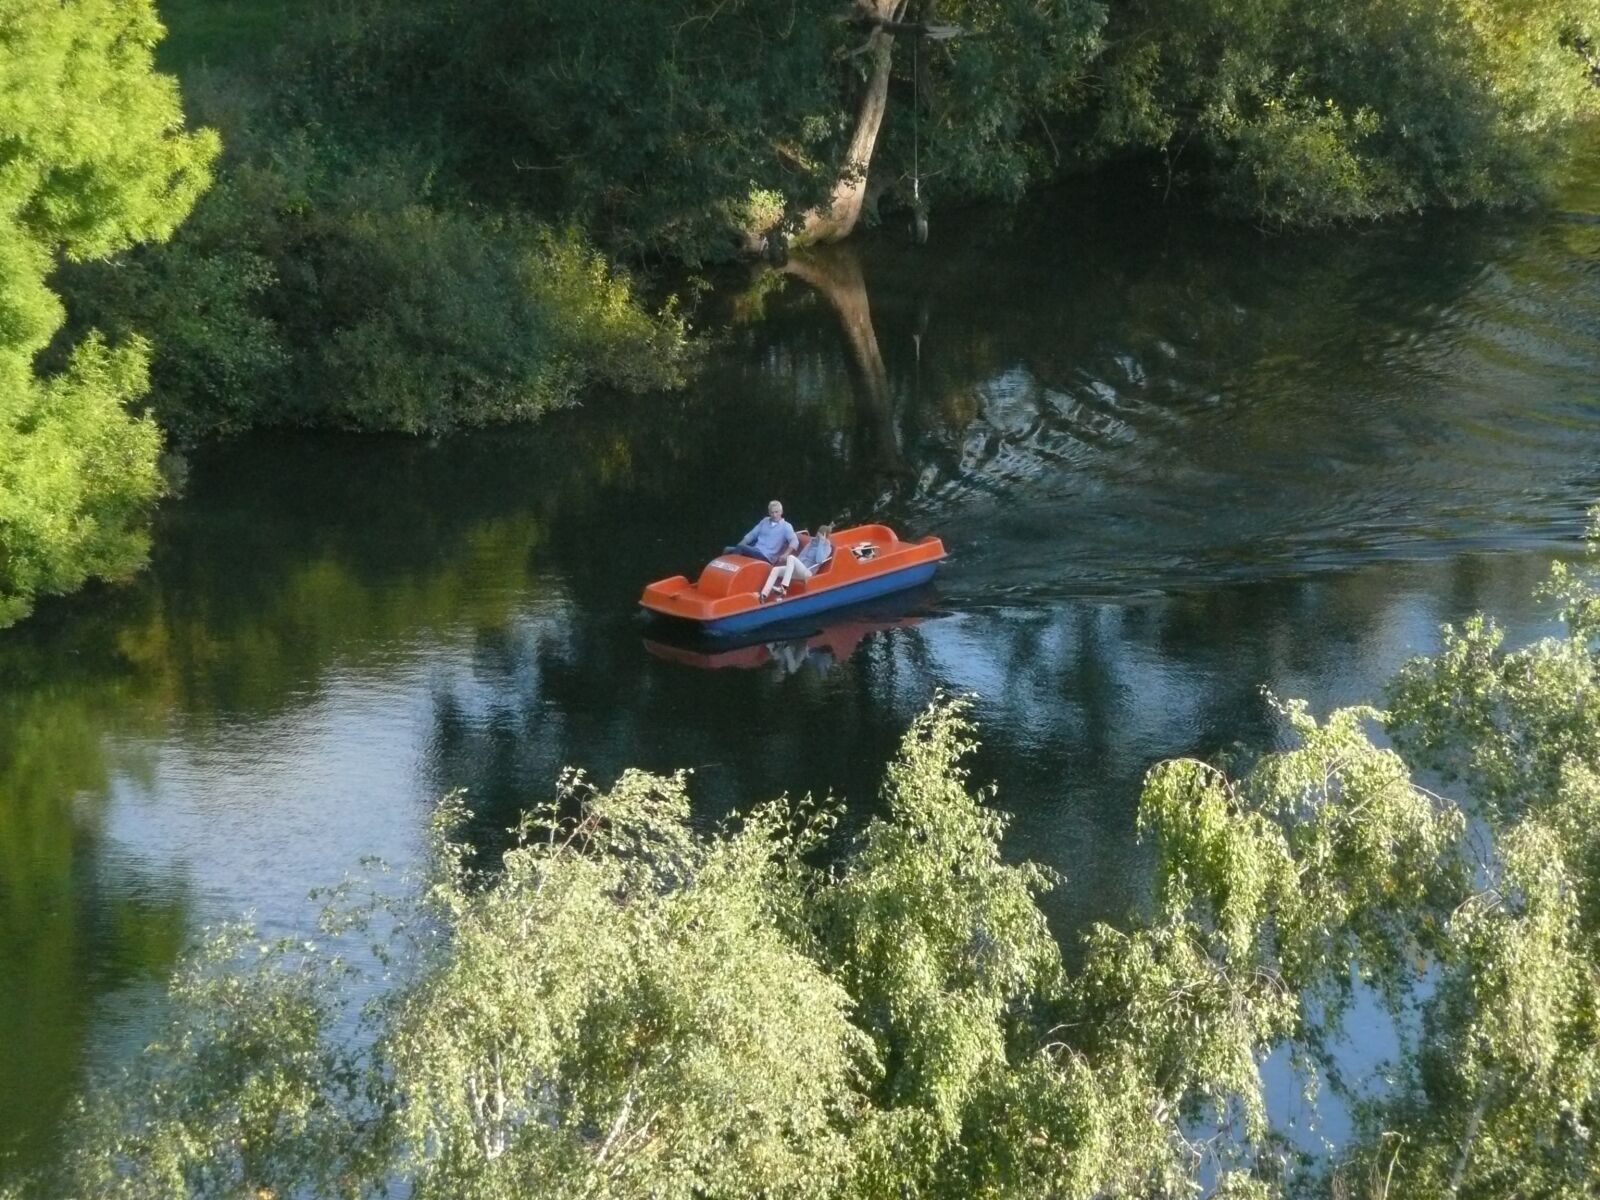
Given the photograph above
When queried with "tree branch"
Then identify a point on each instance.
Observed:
(934, 33)
(1460, 1171)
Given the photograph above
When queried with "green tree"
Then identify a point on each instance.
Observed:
(1503, 1094)
(1300, 113)
(690, 126)
(623, 1007)
(317, 284)
(96, 160)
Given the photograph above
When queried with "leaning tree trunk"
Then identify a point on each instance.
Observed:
(836, 220)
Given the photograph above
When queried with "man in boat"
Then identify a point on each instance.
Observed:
(771, 538)
(805, 564)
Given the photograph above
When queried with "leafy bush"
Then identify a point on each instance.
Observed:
(316, 288)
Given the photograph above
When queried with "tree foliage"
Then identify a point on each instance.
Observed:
(987, 98)
(95, 160)
(1327, 111)
(679, 127)
(685, 127)
(652, 122)
(316, 285)
(1504, 1092)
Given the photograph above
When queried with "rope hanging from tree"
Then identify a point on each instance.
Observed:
(919, 217)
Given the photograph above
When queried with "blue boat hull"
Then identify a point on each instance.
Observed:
(805, 606)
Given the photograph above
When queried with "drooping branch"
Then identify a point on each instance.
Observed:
(862, 19)
(1459, 1172)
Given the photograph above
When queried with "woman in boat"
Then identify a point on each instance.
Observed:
(805, 564)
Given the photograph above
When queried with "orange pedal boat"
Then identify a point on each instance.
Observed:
(868, 561)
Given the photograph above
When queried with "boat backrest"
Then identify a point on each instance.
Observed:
(728, 574)
(805, 540)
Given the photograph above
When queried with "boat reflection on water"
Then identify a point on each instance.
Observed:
(790, 646)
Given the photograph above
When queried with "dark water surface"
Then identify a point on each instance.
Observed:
(1175, 461)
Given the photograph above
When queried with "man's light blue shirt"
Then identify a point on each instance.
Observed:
(771, 537)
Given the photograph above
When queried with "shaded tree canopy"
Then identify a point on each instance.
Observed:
(680, 127)
(1323, 111)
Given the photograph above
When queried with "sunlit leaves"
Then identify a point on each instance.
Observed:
(1338, 110)
(77, 474)
(96, 156)
(252, 1089)
(618, 1013)
(1504, 1091)
(1270, 889)
(945, 953)
(94, 159)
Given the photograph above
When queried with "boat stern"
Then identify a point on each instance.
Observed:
(668, 596)
(728, 583)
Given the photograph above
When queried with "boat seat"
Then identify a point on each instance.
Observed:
(723, 600)
(798, 586)
(805, 540)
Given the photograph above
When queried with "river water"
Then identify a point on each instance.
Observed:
(1175, 462)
